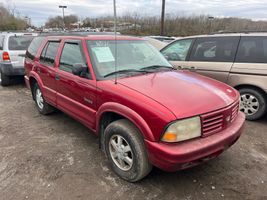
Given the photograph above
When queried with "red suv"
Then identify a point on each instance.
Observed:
(144, 112)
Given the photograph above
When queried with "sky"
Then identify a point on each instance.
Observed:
(40, 10)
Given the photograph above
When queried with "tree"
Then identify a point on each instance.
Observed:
(57, 22)
(9, 22)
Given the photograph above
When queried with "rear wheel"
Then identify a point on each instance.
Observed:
(125, 149)
(5, 80)
(252, 103)
(43, 107)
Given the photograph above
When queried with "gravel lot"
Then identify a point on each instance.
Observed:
(55, 157)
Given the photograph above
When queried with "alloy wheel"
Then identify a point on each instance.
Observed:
(121, 152)
(39, 98)
(249, 104)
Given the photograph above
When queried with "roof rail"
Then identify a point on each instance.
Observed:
(242, 31)
(73, 33)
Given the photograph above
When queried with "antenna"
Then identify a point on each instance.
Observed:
(115, 34)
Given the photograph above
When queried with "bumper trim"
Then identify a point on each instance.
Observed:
(177, 156)
(9, 70)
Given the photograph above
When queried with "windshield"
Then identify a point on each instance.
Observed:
(19, 42)
(131, 55)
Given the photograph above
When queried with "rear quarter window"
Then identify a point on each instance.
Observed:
(252, 50)
(34, 46)
(17, 43)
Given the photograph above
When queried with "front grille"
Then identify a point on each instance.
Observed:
(235, 110)
(212, 124)
(216, 121)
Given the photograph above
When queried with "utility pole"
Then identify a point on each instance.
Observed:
(162, 18)
(63, 14)
(210, 19)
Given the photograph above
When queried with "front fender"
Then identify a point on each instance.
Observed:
(128, 113)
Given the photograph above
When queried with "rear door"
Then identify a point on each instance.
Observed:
(213, 56)
(47, 71)
(250, 66)
(75, 95)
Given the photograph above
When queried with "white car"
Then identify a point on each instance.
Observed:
(12, 53)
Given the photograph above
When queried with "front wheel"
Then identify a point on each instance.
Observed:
(125, 149)
(252, 103)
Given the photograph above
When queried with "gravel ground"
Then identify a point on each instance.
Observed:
(55, 157)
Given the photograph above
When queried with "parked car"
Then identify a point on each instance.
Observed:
(156, 43)
(144, 112)
(165, 39)
(239, 60)
(12, 52)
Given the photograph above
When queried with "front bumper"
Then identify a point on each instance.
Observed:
(9, 70)
(177, 156)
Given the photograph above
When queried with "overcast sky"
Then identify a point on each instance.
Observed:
(40, 10)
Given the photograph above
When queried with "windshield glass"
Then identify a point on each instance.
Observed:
(131, 55)
(19, 42)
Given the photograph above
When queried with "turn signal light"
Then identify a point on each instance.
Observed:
(6, 56)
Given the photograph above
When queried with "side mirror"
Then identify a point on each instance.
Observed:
(79, 69)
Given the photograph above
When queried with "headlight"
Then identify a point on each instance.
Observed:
(183, 130)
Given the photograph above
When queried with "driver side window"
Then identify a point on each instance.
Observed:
(71, 54)
(177, 51)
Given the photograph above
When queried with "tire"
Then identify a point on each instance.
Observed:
(5, 80)
(253, 103)
(130, 137)
(42, 106)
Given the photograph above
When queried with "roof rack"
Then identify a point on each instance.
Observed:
(243, 31)
(73, 33)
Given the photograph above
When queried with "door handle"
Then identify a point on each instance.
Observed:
(57, 77)
(192, 68)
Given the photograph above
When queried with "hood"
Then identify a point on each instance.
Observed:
(184, 93)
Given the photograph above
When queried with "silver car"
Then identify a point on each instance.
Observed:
(12, 53)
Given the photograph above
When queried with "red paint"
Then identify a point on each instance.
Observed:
(150, 101)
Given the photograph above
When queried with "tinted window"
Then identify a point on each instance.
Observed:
(34, 46)
(19, 42)
(252, 50)
(1, 42)
(215, 49)
(177, 51)
(49, 53)
(71, 54)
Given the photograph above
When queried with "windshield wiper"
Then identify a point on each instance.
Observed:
(125, 71)
(156, 67)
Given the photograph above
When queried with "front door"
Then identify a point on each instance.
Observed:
(76, 95)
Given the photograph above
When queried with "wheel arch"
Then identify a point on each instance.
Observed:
(110, 112)
(34, 78)
(241, 86)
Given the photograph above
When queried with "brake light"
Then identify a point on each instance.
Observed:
(6, 56)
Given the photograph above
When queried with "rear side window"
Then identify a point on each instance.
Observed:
(49, 53)
(34, 46)
(71, 54)
(214, 49)
(19, 42)
(252, 50)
